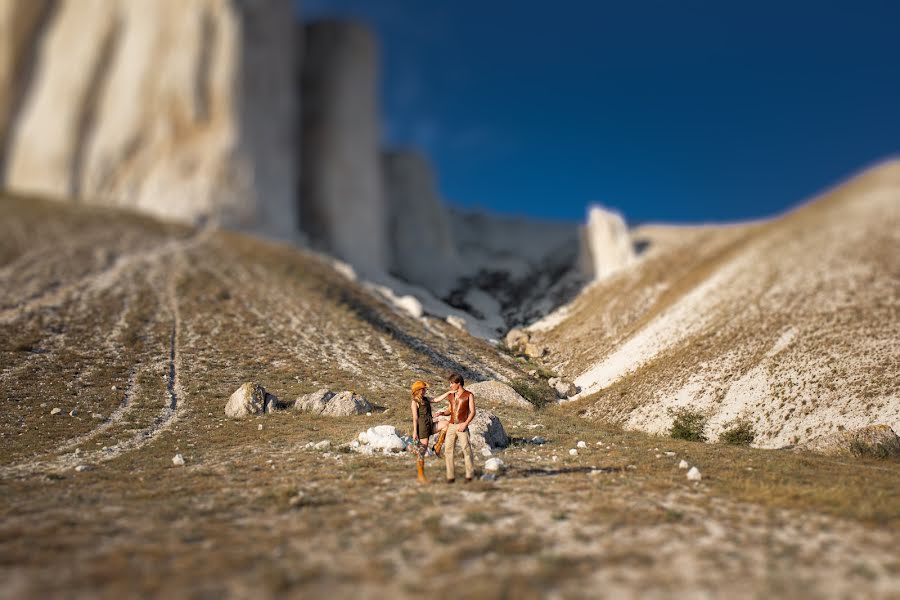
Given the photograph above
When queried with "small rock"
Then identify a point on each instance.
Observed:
(659, 456)
(534, 351)
(178, 460)
(573, 452)
(96, 416)
(55, 411)
(73, 412)
(77, 451)
(489, 477)
(494, 465)
(43, 405)
(516, 339)
(486, 451)
(538, 440)
(323, 445)
(683, 464)
(81, 468)
(599, 443)
(694, 474)
(114, 388)
(369, 414)
(259, 427)
(581, 444)
(554, 458)
(457, 322)
(669, 453)
(249, 399)
(631, 467)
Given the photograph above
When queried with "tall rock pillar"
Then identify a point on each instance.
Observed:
(341, 197)
(606, 245)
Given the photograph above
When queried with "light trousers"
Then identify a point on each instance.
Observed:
(450, 446)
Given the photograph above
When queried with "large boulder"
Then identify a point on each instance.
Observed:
(180, 109)
(485, 431)
(250, 399)
(516, 339)
(873, 441)
(325, 402)
(499, 393)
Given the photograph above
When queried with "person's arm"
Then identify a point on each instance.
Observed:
(415, 418)
(465, 425)
(439, 398)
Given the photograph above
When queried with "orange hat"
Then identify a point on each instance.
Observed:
(419, 385)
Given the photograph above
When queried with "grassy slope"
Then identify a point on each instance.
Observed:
(796, 329)
(92, 300)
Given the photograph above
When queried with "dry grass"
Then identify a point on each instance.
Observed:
(256, 513)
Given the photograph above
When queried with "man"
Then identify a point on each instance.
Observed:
(461, 411)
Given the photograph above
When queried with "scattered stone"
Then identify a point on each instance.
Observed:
(323, 445)
(564, 388)
(43, 405)
(581, 444)
(457, 322)
(659, 456)
(486, 451)
(683, 464)
(55, 411)
(631, 467)
(499, 393)
(532, 372)
(81, 468)
(114, 388)
(96, 416)
(77, 451)
(554, 458)
(178, 460)
(73, 412)
(669, 453)
(573, 452)
(538, 440)
(516, 339)
(494, 465)
(489, 477)
(694, 474)
(259, 427)
(249, 399)
(314, 402)
(369, 414)
(534, 351)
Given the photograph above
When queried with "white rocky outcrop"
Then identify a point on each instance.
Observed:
(181, 110)
(606, 246)
(343, 209)
(422, 246)
(250, 399)
(499, 393)
(383, 438)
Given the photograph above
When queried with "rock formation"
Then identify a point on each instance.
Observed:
(250, 399)
(326, 402)
(422, 246)
(497, 392)
(606, 246)
(180, 110)
(342, 200)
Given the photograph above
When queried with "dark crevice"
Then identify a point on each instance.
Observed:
(23, 80)
(87, 116)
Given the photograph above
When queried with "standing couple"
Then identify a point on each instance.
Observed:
(461, 410)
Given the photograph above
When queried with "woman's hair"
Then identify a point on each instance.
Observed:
(456, 378)
(418, 395)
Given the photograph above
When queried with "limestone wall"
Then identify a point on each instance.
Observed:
(606, 245)
(342, 208)
(179, 109)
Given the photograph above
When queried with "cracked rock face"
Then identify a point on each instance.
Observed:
(325, 402)
(249, 399)
(180, 110)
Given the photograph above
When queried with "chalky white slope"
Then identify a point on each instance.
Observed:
(792, 323)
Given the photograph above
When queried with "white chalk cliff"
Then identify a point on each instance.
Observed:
(606, 246)
(181, 110)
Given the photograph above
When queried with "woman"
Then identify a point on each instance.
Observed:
(423, 425)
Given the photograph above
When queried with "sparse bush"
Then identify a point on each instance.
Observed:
(738, 432)
(538, 394)
(688, 424)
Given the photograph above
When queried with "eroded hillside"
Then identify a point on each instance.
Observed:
(793, 323)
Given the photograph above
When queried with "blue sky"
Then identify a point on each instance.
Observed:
(682, 111)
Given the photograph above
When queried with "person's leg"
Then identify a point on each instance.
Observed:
(467, 453)
(422, 448)
(449, 446)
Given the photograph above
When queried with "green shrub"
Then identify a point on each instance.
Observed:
(688, 424)
(738, 432)
(538, 394)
